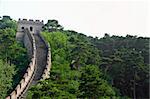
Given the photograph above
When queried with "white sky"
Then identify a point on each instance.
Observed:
(91, 17)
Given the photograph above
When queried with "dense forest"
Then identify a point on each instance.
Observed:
(112, 67)
(13, 57)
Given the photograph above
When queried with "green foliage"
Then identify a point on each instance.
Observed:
(82, 50)
(129, 74)
(125, 63)
(11, 52)
(51, 89)
(6, 78)
(61, 83)
(93, 86)
(52, 25)
(112, 67)
(7, 22)
(65, 82)
(58, 43)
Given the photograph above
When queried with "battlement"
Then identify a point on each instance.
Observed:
(30, 21)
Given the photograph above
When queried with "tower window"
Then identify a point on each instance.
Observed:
(31, 28)
(22, 28)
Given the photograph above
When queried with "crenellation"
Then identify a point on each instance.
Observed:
(37, 20)
(30, 21)
(25, 19)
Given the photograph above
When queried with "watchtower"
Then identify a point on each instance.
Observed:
(33, 26)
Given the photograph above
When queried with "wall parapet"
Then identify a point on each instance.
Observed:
(46, 73)
(24, 82)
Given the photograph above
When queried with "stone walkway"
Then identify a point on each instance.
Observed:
(41, 57)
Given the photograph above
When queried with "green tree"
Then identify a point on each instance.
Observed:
(121, 62)
(6, 78)
(12, 52)
(52, 25)
(7, 22)
(130, 73)
(93, 86)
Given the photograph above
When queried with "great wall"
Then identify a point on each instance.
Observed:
(39, 52)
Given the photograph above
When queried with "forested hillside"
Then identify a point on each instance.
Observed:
(13, 57)
(112, 67)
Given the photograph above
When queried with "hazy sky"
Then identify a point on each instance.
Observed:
(91, 17)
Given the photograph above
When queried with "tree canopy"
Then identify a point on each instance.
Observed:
(111, 67)
(108, 67)
(13, 57)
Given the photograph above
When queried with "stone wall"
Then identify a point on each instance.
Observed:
(27, 42)
(30, 44)
(46, 72)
